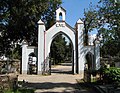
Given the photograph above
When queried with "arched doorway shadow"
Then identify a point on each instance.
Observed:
(61, 55)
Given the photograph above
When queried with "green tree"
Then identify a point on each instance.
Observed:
(69, 51)
(60, 50)
(109, 14)
(106, 20)
(90, 21)
(18, 20)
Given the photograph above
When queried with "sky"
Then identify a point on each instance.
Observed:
(75, 9)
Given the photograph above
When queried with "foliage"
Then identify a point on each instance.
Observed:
(21, 90)
(111, 75)
(16, 52)
(18, 20)
(60, 50)
(90, 21)
(106, 20)
(109, 12)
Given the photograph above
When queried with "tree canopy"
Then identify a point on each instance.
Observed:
(105, 18)
(109, 13)
(18, 20)
(60, 49)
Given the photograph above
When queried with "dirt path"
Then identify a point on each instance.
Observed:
(59, 82)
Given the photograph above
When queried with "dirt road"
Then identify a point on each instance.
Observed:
(60, 81)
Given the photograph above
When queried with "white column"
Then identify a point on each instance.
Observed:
(80, 26)
(24, 57)
(41, 29)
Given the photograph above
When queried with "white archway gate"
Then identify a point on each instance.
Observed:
(53, 32)
(48, 45)
(76, 36)
(45, 39)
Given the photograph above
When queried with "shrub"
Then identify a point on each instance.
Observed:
(111, 75)
(22, 90)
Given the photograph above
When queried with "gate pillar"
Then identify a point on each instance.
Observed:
(24, 57)
(80, 46)
(41, 31)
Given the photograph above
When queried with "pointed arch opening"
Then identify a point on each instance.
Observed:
(61, 54)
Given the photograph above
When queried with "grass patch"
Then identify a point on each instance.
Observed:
(21, 90)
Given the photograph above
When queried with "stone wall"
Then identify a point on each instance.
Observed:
(9, 66)
(8, 82)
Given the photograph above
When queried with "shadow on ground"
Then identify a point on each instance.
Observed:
(66, 64)
(57, 71)
(67, 69)
(68, 87)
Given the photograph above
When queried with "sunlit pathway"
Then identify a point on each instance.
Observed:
(58, 82)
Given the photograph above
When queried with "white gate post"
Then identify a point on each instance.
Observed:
(24, 57)
(41, 29)
(80, 43)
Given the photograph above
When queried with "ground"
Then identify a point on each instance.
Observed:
(60, 81)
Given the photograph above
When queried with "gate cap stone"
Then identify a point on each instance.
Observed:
(79, 21)
(40, 22)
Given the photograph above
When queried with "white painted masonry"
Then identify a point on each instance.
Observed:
(76, 36)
